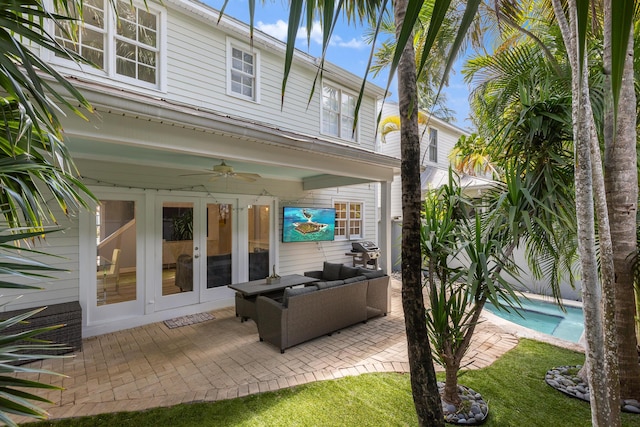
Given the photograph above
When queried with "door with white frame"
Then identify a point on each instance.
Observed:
(196, 245)
(117, 263)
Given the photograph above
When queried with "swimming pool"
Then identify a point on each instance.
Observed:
(545, 317)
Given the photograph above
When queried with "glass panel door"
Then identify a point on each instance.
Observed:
(219, 244)
(259, 241)
(116, 252)
(177, 248)
(179, 252)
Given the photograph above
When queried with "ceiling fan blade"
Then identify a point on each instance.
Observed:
(197, 174)
(248, 177)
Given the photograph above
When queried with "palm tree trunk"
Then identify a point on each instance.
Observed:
(601, 411)
(423, 378)
(622, 196)
(450, 393)
(607, 273)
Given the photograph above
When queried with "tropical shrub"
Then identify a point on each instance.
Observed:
(19, 347)
(466, 260)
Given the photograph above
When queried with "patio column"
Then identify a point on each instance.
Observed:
(384, 231)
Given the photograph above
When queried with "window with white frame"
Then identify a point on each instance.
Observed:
(433, 145)
(243, 70)
(338, 113)
(349, 220)
(124, 46)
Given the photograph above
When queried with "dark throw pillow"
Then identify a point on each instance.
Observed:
(331, 271)
(346, 272)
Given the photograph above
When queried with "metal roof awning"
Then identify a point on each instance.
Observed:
(434, 177)
(141, 129)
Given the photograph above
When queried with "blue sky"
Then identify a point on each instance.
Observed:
(348, 48)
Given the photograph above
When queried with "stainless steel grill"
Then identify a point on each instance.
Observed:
(366, 254)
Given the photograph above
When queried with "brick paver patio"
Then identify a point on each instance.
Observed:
(153, 366)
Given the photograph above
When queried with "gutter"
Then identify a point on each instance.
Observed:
(139, 106)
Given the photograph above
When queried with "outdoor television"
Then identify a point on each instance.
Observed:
(308, 224)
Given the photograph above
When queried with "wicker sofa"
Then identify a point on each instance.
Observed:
(378, 295)
(322, 308)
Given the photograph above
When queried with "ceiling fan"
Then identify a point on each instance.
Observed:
(225, 171)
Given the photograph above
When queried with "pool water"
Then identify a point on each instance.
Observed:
(545, 317)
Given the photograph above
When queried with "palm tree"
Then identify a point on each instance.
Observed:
(392, 124)
(405, 13)
(621, 167)
(31, 147)
(429, 95)
(471, 155)
(601, 338)
(426, 397)
(35, 166)
(525, 111)
(457, 295)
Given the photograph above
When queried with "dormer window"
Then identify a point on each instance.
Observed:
(125, 47)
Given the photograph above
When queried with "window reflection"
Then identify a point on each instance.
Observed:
(177, 248)
(219, 244)
(116, 254)
(258, 241)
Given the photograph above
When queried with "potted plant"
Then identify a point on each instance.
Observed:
(183, 226)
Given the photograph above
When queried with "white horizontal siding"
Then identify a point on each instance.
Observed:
(296, 258)
(447, 138)
(196, 75)
(62, 286)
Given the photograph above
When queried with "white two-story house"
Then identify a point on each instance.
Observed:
(438, 139)
(193, 158)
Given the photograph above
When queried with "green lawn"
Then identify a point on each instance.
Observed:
(514, 387)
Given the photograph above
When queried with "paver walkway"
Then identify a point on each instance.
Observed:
(152, 366)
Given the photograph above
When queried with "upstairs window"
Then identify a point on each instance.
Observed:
(126, 46)
(433, 145)
(137, 43)
(338, 113)
(349, 220)
(243, 68)
(89, 39)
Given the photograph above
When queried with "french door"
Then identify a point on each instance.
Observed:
(143, 252)
(112, 259)
(195, 250)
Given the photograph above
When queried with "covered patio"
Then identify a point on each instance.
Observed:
(153, 366)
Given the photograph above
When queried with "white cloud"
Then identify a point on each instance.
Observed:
(277, 30)
(353, 44)
(336, 40)
(316, 33)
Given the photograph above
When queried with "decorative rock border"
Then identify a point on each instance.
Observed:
(565, 379)
(472, 411)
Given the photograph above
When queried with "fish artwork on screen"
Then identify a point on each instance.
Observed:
(308, 224)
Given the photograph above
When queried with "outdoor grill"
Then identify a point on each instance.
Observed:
(366, 254)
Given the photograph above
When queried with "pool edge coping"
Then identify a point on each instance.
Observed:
(524, 332)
